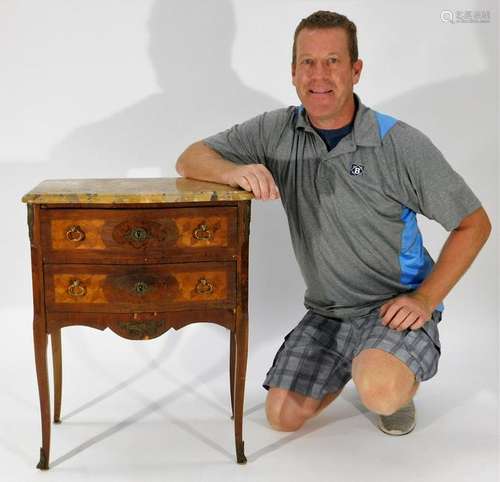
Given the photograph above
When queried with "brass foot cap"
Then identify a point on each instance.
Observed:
(43, 464)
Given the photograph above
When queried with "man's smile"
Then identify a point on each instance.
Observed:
(320, 91)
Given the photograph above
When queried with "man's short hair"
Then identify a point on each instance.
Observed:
(327, 19)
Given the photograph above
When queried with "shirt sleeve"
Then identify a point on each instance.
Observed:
(428, 183)
(249, 142)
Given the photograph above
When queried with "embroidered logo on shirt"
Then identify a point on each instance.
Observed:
(357, 170)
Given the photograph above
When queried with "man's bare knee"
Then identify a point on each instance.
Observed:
(288, 411)
(286, 425)
(282, 410)
(284, 420)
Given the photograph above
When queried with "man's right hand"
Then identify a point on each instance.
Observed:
(254, 178)
(200, 161)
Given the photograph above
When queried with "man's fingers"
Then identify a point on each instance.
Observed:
(257, 179)
(409, 321)
(265, 181)
(243, 182)
(261, 185)
(249, 183)
(418, 323)
(391, 312)
(398, 318)
(264, 186)
(273, 189)
(254, 182)
(383, 309)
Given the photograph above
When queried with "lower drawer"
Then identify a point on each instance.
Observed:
(120, 289)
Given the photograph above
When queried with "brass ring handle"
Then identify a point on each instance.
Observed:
(202, 232)
(141, 287)
(75, 234)
(76, 288)
(204, 287)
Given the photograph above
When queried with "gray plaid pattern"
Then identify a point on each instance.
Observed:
(316, 356)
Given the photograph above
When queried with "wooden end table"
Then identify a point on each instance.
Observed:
(137, 256)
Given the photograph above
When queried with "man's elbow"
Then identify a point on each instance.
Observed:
(487, 231)
(487, 226)
(478, 221)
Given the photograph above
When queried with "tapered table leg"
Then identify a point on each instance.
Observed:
(40, 342)
(55, 339)
(241, 366)
(232, 357)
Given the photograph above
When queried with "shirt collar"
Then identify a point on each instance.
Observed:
(364, 131)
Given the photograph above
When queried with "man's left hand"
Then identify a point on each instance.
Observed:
(406, 311)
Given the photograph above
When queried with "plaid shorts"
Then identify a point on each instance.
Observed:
(316, 356)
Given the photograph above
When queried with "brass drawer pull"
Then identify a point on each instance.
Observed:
(202, 232)
(141, 287)
(143, 330)
(204, 287)
(75, 234)
(76, 288)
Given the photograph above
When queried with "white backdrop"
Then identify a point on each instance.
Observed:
(120, 88)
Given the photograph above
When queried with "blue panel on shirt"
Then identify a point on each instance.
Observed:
(414, 260)
(385, 122)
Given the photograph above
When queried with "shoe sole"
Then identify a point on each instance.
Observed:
(395, 432)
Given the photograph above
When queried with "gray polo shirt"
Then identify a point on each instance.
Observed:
(352, 211)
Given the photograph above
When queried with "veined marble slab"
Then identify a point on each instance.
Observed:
(132, 190)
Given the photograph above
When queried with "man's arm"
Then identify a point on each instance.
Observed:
(458, 253)
(199, 161)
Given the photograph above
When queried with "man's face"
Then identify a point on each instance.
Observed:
(324, 76)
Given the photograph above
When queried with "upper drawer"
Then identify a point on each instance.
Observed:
(93, 234)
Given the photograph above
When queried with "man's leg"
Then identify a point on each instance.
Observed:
(383, 381)
(287, 410)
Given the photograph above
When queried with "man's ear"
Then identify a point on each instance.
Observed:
(293, 73)
(357, 67)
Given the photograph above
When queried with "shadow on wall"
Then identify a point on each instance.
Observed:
(190, 46)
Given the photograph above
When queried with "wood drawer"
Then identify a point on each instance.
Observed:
(138, 235)
(140, 288)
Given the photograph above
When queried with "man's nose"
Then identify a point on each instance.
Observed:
(320, 70)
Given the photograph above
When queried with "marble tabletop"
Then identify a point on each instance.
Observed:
(132, 190)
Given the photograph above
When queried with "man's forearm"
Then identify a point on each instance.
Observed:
(198, 161)
(457, 254)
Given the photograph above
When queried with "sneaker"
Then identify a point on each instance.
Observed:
(400, 422)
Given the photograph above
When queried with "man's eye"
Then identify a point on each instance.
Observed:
(332, 60)
(307, 61)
